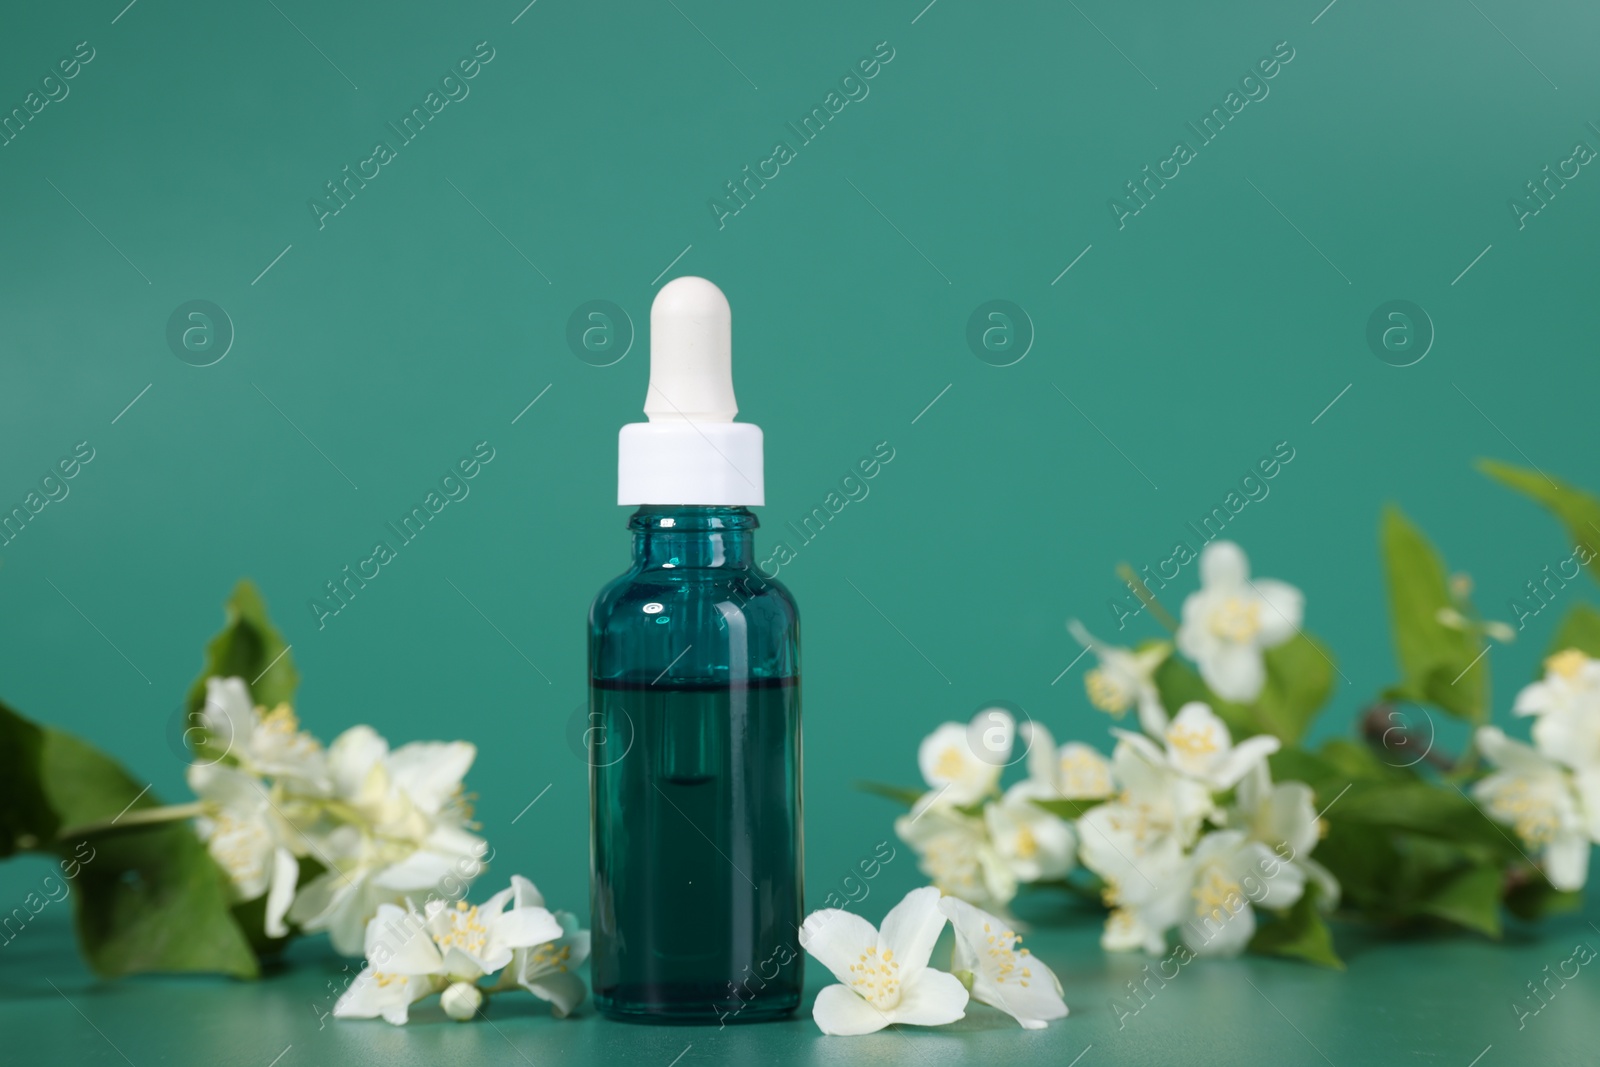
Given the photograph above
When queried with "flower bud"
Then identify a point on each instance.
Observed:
(461, 1001)
(1499, 631)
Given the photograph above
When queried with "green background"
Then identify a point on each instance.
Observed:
(433, 308)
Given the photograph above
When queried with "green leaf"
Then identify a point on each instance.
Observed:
(250, 916)
(1337, 764)
(1299, 679)
(1407, 850)
(1536, 898)
(1391, 876)
(1365, 860)
(1577, 510)
(1294, 763)
(248, 647)
(1068, 809)
(1579, 630)
(1439, 664)
(1470, 899)
(1357, 762)
(898, 794)
(82, 784)
(1421, 807)
(26, 821)
(154, 900)
(1299, 933)
(1334, 773)
(149, 899)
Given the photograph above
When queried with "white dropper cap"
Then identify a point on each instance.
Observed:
(691, 451)
(691, 354)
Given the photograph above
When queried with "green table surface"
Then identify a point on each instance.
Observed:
(1424, 1001)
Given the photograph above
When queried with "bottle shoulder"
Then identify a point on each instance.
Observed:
(665, 629)
(730, 591)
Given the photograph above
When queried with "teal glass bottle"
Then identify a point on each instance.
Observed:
(694, 751)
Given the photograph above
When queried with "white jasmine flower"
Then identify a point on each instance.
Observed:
(1283, 817)
(265, 743)
(1556, 812)
(344, 897)
(1002, 974)
(407, 834)
(429, 773)
(1230, 620)
(1142, 925)
(549, 970)
(1157, 798)
(956, 853)
(476, 940)
(1032, 842)
(1138, 844)
(1199, 745)
(383, 993)
(1082, 773)
(1567, 705)
(885, 977)
(1230, 875)
(962, 764)
(369, 870)
(1073, 772)
(248, 838)
(461, 1001)
(1124, 679)
(412, 953)
(403, 967)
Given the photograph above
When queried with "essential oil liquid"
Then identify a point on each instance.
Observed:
(695, 790)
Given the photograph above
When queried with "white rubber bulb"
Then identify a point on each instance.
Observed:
(691, 354)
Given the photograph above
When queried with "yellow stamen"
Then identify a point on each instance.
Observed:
(1236, 619)
(1567, 663)
(950, 763)
(1219, 894)
(1107, 692)
(1200, 741)
(1027, 844)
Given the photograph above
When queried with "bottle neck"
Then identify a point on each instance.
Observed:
(692, 536)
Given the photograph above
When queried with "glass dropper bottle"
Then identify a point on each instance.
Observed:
(694, 711)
